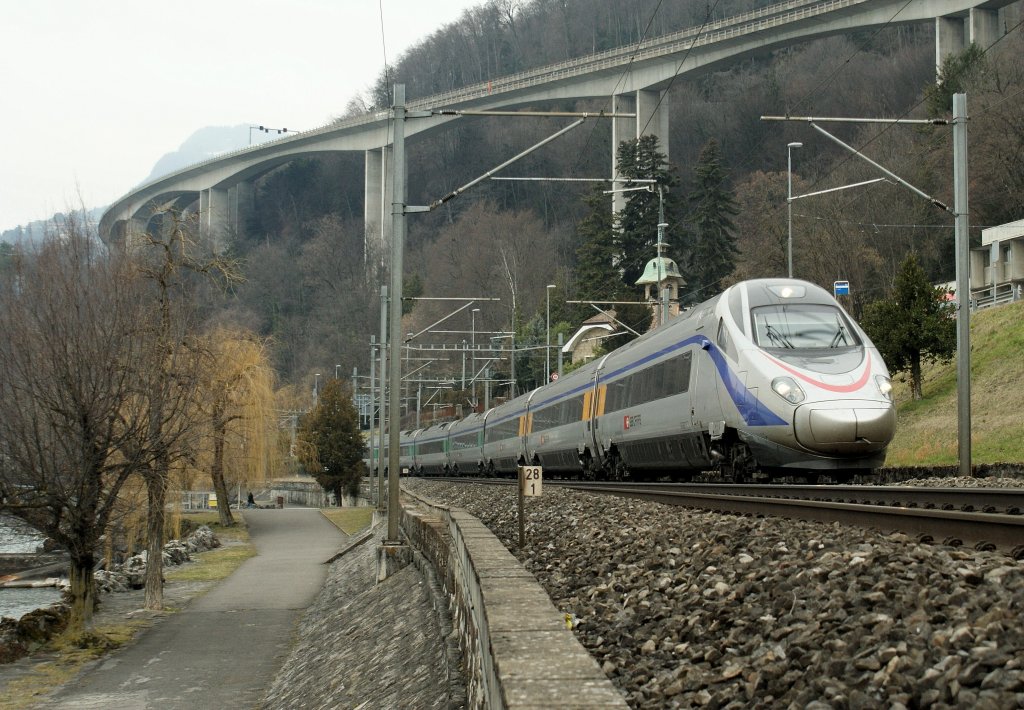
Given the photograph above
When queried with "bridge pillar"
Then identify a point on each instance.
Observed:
(651, 111)
(949, 39)
(242, 197)
(376, 214)
(652, 116)
(622, 129)
(214, 216)
(981, 26)
(135, 229)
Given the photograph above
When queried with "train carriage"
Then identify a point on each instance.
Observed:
(504, 429)
(430, 455)
(465, 444)
(649, 407)
(406, 451)
(559, 422)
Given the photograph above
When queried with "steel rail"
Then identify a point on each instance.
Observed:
(986, 500)
(891, 511)
(981, 530)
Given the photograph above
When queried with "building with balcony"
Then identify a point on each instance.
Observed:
(997, 266)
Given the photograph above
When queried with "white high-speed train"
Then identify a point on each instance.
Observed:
(769, 379)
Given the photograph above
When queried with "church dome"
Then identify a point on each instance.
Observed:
(659, 269)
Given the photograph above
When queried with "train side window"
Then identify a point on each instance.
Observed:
(724, 341)
(618, 395)
(684, 371)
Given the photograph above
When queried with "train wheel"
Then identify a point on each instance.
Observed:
(617, 470)
(588, 467)
(739, 465)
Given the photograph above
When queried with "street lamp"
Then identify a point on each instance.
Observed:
(789, 200)
(265, 129)
(472, 358)
(408, 349)
(547, 349)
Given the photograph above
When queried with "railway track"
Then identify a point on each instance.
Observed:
(985, 518)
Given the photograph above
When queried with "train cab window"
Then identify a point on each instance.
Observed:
(802, 326)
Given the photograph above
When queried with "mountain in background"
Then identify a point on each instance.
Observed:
(33, 232)
(206, 143)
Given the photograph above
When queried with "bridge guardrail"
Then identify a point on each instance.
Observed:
(719, 30)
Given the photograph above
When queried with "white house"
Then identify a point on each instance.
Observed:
(997, 266)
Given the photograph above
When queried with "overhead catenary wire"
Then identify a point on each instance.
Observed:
(850, 201)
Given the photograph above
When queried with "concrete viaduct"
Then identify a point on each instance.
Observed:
(222, 189)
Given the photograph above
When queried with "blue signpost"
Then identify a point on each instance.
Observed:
(841, 288)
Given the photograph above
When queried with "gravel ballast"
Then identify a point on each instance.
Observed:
(687, 608)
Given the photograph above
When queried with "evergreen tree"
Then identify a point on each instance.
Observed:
(958, 71)
(332, 446)
(637, 223)
(713, 253)
(412, 288)
(913, 325)
(597, 275)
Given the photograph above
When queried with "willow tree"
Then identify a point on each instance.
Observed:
(236, 402)
(76, 357)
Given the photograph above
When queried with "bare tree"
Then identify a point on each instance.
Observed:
(73, 361)
(172, 263)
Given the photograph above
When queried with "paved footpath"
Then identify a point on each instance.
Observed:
(224, 649)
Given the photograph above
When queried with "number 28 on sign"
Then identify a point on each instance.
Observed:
(531, 480)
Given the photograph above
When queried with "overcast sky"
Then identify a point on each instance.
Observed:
(94, 92)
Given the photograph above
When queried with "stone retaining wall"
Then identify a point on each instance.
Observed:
(516, 647)
(302, 493)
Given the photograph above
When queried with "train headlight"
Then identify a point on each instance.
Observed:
(884, 386)
(788, 389)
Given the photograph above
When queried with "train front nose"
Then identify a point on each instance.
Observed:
(845, 427)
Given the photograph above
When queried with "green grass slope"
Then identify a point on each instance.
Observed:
(926, 430)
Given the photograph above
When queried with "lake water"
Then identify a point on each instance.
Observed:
(16, 602)
(17, 537)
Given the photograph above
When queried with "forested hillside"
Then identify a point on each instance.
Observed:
(311, 287)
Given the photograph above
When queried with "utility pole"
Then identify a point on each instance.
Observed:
(373, 411)
(383, 396)
(962, 249)
(398, 199)
(963, 284)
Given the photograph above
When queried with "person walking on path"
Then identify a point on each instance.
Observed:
(224, 649)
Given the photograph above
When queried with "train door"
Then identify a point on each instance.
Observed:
(706, 412)
(747, 403)
(528, 441)
(593, 408)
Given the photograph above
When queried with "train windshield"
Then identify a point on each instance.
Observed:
(802, 326)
